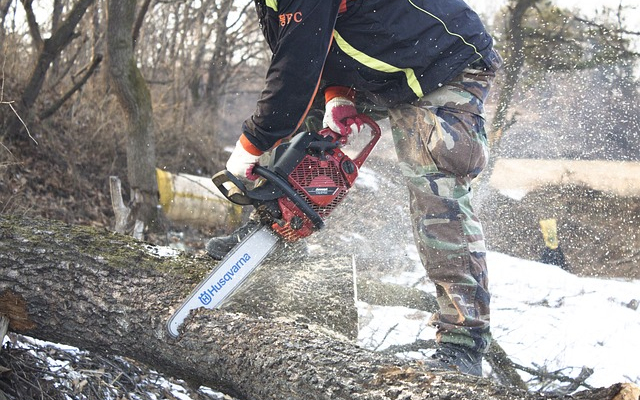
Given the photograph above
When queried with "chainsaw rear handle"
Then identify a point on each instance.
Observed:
(366, 150)
(237, 193)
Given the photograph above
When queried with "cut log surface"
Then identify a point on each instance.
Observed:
(108, 293)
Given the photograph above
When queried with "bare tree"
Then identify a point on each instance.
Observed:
(47, 51)
(135, 99)
(514, 62)
(203, 52)
(538, 38)
(4, 10)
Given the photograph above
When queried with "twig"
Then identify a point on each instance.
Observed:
(557, 376)
(7, 149)
(4, 326)
(10, 104)
(198, 184)
(576, 382)
(385, 336)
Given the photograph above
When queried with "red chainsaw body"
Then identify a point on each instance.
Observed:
(305, 181)
(323, 183)
(323, 180)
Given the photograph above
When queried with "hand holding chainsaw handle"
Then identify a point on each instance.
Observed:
(366, 122)
(243, 158)
(233, 187)
(340, 113)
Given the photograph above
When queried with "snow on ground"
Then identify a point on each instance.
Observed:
(541, 315)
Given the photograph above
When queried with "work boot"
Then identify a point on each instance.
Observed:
(218, 247)
(456, 357)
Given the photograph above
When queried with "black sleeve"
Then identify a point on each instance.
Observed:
(303, 37)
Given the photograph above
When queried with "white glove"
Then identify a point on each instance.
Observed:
(341, 116)
(241, 162)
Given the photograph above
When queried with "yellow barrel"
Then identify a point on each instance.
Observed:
(195, 200)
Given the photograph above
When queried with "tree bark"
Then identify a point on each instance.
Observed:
(108, 293)
(135, 99)
(514, 61)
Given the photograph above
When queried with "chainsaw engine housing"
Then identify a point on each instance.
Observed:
(318, 171)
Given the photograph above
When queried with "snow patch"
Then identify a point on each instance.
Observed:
(161, 251)
(541, 315)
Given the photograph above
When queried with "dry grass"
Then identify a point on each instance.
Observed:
(64, 175)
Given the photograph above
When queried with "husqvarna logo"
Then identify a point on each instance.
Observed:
(207, 295)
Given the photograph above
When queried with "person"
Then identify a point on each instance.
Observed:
(552, 252)
(429, 64)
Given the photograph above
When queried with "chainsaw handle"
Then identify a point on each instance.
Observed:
(236, 192)
(366, 150)
(375, 136)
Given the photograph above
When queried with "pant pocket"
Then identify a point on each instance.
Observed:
(412, 129)
(458, 144)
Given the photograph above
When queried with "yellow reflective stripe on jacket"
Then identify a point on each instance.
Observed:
(378, 65)
(272, 4)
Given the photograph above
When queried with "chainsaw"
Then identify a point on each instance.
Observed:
(306, 179)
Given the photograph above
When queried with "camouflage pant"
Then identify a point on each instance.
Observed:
(441, 145)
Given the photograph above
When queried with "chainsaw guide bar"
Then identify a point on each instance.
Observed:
(230, 273)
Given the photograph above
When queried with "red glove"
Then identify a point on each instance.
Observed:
(243, 158)
(340, 111)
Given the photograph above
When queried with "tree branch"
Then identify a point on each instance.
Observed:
(137, 26)
(34, 28)
(92, 68)
(601, 26)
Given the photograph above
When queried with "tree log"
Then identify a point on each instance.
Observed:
(195, 201)
(109, 293)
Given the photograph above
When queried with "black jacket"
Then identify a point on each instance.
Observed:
(392, 50)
